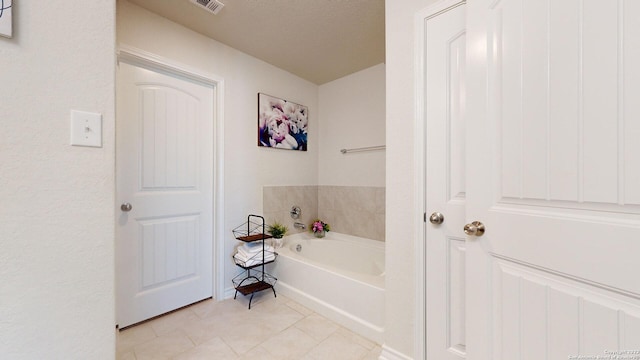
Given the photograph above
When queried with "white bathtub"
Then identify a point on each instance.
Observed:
(340, 277)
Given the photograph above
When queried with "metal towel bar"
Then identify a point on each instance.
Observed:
(369, 148)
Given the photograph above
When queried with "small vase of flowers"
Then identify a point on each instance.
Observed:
(319, 228)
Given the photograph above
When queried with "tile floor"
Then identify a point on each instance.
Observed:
(274, 328)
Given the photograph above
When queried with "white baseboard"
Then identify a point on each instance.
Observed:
(391, 354)
(229, 293)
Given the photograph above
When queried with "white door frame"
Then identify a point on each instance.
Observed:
(420, 169)
(138, 57)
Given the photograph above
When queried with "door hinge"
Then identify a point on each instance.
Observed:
(424, 217)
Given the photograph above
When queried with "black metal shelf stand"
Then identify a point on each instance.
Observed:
(255, 279)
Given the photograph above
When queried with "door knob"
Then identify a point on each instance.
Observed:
(436, 218)
(476, 228)
(126, 207)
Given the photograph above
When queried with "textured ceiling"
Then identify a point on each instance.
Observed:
(318, 40)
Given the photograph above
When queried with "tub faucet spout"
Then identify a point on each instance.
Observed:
(299, 225)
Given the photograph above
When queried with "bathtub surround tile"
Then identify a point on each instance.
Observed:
(126, 356)
(380, 200)
(379, 227)
(276, 197)
(278, 201)
(326, 197)
(352, 210)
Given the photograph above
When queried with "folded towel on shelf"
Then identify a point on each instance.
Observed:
(255, 259)
(253, 246)
(243, 255)
(253, 251)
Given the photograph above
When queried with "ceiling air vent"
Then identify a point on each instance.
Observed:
(212, 6)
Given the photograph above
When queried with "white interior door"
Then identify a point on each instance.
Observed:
(164, 169)
(554, 175)
(445, 48)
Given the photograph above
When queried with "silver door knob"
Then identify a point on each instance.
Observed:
(126, 207)
(436, 218)
(476, 228)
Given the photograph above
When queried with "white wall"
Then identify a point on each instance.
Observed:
(400, 210)
(56, 201)
(247, 167)
(352, 114)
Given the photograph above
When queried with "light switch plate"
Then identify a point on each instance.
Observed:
(86, 128)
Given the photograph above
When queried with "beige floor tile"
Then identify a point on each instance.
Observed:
(212, 349)
(292, 343)
(373, 354)
(127, 339)
(164, 347)
(351, 336)
(258, 353)
(170, 322)
(202, 331)
(317, 326)
(211, 307)
(262, 299)
(126, 356)
(274, 329)
(299, 308)
(337, 347)
(277, 318)
(217, 325)
(244, 337)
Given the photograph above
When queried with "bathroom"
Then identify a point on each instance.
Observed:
(347, 190)
(58, 261)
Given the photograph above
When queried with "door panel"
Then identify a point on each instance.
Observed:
(548, 131)
(169, 138)
(445, 46)
(169, 249)
(541, 316)
(165, 171)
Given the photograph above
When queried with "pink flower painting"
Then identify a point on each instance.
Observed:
(281, 124)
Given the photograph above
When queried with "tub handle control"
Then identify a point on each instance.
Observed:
(436, 218)
(295, 212)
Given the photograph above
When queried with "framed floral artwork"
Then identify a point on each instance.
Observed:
(281, 123)
(6, 26)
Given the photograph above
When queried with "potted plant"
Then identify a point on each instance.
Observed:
(319, 228)
(277, 230)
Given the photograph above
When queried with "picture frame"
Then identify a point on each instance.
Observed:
(6, 18)
(282, 124)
